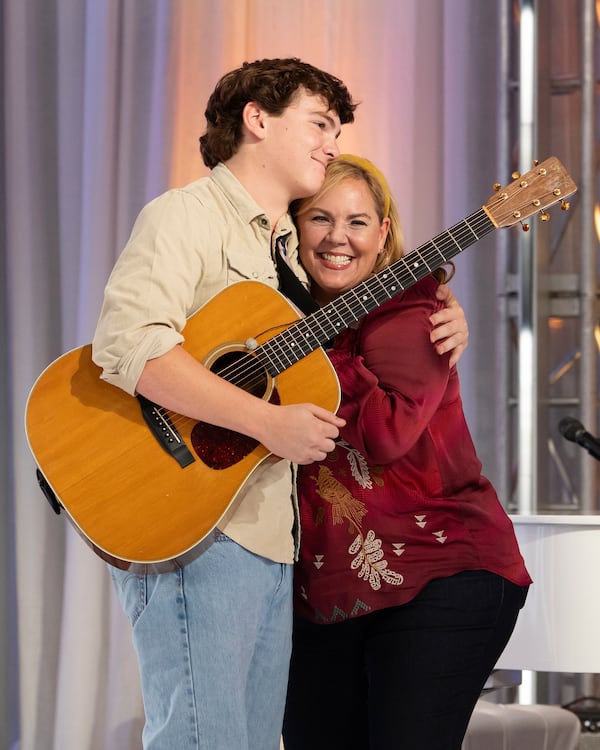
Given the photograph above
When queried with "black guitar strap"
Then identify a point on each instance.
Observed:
(289, 284)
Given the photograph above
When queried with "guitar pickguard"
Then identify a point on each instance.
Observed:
(220, 448)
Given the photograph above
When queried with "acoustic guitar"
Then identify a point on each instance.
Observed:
(145, 486)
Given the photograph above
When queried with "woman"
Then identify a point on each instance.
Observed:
(410, 578)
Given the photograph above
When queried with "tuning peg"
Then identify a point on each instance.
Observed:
(525, 226)
(544, 216)
(565, 205)
(516, 175)
(535, 162)
(497, 186)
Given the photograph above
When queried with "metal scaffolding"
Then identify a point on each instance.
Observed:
(547, 277)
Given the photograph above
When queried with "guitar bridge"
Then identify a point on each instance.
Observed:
(165, 432)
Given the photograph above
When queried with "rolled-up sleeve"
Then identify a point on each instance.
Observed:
(151, 291)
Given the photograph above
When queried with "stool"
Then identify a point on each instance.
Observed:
(516, 727)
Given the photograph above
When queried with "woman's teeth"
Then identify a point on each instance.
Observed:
(338, 260)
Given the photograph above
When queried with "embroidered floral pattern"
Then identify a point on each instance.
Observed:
(363, 474)
(371, 563)
(368, 556)
(358, 465)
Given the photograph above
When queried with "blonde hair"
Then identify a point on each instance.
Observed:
(348, 167)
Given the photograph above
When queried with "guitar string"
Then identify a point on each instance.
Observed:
(253, 373)
(248, 371)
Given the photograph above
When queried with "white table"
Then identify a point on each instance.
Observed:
(559, 627)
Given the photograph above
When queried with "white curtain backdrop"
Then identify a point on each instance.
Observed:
(102, 107)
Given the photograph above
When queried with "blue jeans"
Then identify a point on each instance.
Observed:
(404, 677)
(213, 642)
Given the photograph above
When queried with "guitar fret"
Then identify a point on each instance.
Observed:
(454, 240)
(321, 320)
(362, 299)
(271, 362)
(437, 249)
(396, 286)
(341, 321)
(354, 310)
(473, 232)
(416, 264)
(287, 347)
(410, 271)
(304, 328)
(284, 358)
(383, 288)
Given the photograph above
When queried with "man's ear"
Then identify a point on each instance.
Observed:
(253, 118)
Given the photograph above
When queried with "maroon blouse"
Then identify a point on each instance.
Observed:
(401, 500)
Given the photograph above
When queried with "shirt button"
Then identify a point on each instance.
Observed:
(264, 221)
(254, 275)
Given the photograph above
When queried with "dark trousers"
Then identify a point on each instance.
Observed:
(404, 678)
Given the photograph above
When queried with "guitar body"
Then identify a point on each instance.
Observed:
(128, 497)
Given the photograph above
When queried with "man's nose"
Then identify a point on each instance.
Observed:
(331, 147)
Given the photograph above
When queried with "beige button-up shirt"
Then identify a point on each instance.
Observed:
(186, 246)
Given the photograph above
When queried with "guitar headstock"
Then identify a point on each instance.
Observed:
(543, 186)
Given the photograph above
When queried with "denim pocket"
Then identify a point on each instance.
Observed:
(131, 590)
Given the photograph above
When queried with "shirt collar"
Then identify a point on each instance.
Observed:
(242, 201)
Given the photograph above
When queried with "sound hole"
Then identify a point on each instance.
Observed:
(218, 447)
(244, 370)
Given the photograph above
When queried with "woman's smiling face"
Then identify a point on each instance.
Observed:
(340, 238)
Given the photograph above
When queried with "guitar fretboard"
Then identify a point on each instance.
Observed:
(307, 334)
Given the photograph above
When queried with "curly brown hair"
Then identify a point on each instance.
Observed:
(272, 84)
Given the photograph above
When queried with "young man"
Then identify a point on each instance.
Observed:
(213, 638)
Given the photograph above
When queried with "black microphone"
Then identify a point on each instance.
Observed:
(572, 429)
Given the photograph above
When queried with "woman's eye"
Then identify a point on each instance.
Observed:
(320, 219)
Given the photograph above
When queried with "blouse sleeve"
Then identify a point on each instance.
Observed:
(392, 380)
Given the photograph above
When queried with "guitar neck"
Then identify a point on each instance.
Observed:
(307, 334)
